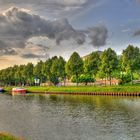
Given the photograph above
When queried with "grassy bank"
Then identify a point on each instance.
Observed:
(126, 88)
(6, 136)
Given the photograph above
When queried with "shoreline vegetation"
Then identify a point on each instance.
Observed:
(80, 89)
(103, 68)
(6, 136)
(98, 69)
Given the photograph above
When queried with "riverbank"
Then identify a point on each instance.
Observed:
(81, 89)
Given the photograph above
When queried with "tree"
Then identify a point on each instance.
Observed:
(61, 72)
(47, 69)
(29, 72)
(55, 71)
(38, 71)
(74, 66)
(58, 70)
(131, 60)
(109, 62)
(91, 64)
(84, 78)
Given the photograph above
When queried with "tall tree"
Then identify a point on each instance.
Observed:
(55, 71)
(58, 69)
(91, 64)
(47, 69)
(109, 62)
(61, 67)
(38, 71)
(131, 59)
(29, 72)
(74, 66)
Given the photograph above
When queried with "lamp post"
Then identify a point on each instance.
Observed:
(37, 81)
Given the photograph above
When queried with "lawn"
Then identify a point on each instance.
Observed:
(126, 88)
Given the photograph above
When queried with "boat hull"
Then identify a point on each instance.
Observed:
(19, 91)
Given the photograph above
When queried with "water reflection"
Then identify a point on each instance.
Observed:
(70, 117)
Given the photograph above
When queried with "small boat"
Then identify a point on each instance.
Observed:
(18, 90)
(1, 90)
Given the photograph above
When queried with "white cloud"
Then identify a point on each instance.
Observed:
(126, 30)
(51, 8)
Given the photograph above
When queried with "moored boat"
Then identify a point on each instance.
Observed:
(1, 90)
(18, 90)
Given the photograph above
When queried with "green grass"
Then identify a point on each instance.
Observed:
(97, 89)
(86, 89)
(126, 88)
(6, 136)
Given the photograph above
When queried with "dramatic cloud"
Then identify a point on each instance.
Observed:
(98, 35)
(52, 3)
(16, 26)
(55, 8)
(31, 55)
(5, 50)
(21, 33)
(137, 33)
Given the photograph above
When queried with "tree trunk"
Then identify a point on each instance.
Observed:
(131, 78)
(110, 79)
(77, 80)
(64, 81)
(105, 79)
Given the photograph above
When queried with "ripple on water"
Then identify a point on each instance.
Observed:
(57, 117)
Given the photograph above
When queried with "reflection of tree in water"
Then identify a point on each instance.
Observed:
(104, 114)
(108, 112)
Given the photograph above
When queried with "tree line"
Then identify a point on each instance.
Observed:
(104, 65)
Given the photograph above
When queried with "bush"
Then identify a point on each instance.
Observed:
(126, 78)
(54, 79)
(84, 78)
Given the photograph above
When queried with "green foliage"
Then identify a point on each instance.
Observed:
(54, 79)
(105, 65)
(86, 78)
(28, 73)
(74, 66)
(118, 88)
(101, 74)
(38, 71)
(125, 78)
(57, 70)
(131, 60)
(83, 78)
(47, 69)
(5, 136)
(74, 79)
(92, 63)
(109, 63)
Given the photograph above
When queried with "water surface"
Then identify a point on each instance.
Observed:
(70, 117)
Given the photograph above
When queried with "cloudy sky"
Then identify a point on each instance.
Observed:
(32, 30)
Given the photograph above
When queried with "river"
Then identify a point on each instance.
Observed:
(70, 117)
